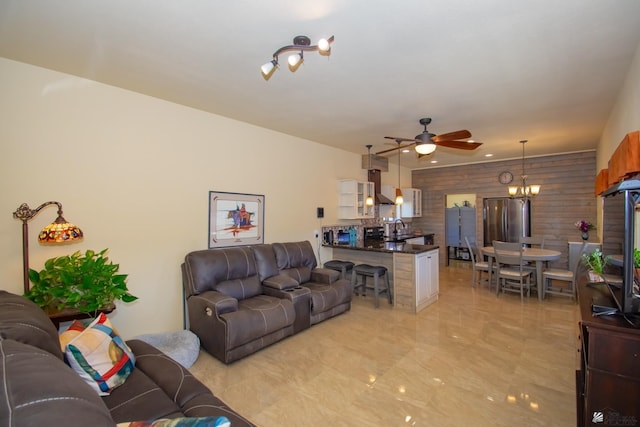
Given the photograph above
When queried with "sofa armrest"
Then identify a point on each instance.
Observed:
(324, 275)
(38, 389)
(164, 389)
(217, 302)
(281, 282)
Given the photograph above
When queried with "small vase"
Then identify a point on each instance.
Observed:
(585, 235)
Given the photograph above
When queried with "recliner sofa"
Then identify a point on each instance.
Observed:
(37, 388)
(242, 299)
(330, 295)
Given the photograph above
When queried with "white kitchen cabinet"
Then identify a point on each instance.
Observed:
(412, 206)
(352, 199)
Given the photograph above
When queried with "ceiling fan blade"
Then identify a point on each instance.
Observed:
(398, 147)
(395, 138)
(462, 145)
(459, 134)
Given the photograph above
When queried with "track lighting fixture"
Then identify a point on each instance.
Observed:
(301, 44)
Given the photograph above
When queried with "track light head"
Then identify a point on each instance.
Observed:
(295, 60)
(268, 68)
(324, 47)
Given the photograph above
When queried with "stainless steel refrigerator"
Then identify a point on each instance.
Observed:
(506, 219)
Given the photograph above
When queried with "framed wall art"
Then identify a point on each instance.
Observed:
(235, 219)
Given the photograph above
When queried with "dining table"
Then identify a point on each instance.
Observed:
(538, 255)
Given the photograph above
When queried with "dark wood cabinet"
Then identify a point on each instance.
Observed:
(608, 378)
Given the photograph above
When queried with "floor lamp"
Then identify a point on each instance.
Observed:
(59, 231)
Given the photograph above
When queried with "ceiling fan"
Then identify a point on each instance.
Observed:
(426, 142)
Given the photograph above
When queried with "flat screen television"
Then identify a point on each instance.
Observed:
(621, 228)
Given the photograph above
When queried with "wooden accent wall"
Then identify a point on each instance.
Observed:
(566, 196)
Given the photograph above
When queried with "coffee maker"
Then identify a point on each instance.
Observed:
(327, 237)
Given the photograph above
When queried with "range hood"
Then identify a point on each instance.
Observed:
(374, 176)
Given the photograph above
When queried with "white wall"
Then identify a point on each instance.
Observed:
(625, 116)
(134, 173)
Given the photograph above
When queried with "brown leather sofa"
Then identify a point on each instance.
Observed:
(227, 306)
(330, 295)
(242, 299)
(39, 389)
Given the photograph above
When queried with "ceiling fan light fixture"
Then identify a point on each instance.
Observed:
(425, 148)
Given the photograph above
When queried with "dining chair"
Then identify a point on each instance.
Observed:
(568, 276)
(533, 241)
(478, 266)
(511, 274)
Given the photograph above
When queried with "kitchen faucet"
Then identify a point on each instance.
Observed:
(395, 227)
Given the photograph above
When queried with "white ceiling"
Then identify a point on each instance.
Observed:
(544, 70)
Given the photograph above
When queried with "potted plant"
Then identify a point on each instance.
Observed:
(596, 262)
(86, 282)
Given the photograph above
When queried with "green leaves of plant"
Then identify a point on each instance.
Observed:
(86, 282)
(596, 261)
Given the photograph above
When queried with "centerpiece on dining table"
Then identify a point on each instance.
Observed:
(584, 226)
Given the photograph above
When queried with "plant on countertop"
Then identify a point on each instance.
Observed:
(636, 258)
(596, 261)
(85, 282)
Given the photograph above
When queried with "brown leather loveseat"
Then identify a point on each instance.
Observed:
(242, 299)
(38, 389)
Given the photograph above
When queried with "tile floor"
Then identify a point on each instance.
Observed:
(471, 359)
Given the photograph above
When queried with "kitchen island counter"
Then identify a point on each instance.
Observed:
(413, 269)
(386, 247)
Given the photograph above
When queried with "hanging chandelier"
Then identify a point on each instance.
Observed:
(524, 190)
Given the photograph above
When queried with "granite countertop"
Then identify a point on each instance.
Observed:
(387, 247)
(403, 237)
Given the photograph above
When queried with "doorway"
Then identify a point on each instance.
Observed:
(460, 222)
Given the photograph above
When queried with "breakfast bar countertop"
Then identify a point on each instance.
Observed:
(386, 247)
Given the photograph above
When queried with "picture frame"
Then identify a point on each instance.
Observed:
(235, 219)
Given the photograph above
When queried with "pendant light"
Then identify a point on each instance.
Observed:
(399, 198)
(369, 201)
(524, 190)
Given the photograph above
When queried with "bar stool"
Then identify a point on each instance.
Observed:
(375, 271)
(344, 267)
